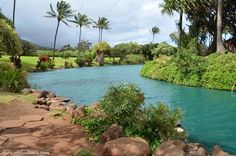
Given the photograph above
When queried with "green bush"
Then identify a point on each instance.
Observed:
(164, 49)
(84, 153)
(123, 105)
(216, 71)
(220, 72)
(85, 59)
(133, 59)
(12, 79)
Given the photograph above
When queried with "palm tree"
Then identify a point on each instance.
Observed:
(219, 44)
(168, 7)
(81, 20)
(155, 30)
(14, 11)
(62, 14)
(102, 24)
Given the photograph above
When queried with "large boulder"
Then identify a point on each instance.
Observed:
(43, 94)
(193, 149)
(179, 148)
(217, 151)
(41, 101)
(170, 148)
(126, 146)
(113, 132)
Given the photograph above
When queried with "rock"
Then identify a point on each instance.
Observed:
(45, 107)
(170, 148)
(70, 106)
(193, 149)
(113, 132)
(27, 91)
(80, 111)
(126, 146)
(41, 101)
(3, 139)
(66, 100)
(217, 151)
(11, 124)
(43, 94)
(51, 95)
(2, 130)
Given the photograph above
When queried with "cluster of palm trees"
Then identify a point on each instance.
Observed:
(63, 13)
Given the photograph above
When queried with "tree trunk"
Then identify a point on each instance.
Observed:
(153, 38)
(55, 41)
(80, 32)
(219, 44)
(100, 58)
(180, 27)
(101, 36)
(14, 11)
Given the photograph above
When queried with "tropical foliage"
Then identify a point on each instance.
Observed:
(101, 24)
(101, 49)
(123, 105)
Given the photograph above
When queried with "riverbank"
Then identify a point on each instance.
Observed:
(216, 71)
(24, 128)
(51, 131)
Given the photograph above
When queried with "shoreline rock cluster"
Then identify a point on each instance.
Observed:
(114, 140)
(48, 101)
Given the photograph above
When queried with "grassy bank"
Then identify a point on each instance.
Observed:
(7, 97)
(214, 71)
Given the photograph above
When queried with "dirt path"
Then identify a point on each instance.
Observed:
(33, 131)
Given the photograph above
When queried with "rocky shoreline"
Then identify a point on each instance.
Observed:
(115, 142)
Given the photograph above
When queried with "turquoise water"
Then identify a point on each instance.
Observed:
(209, 115)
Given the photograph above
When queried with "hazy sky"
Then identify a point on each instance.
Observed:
(130, 21)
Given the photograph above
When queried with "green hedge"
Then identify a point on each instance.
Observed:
(214, 71)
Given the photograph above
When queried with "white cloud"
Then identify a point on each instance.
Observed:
(130, 21)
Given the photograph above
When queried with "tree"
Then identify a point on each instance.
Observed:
(2, 16)
(84, 46)
(81, 20)
(14, 11)
(101, 49)
(155, 30)
(62, 14)
(168, 7)
(102, 24)
(10, 43)
(219, 44)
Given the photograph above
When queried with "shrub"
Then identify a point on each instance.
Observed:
(84, 153)
(133, 59)
(12, 79)
(101, 49)
(85, 59)
(164, 49)
(123, 105)
(220, 71)
(45, 63)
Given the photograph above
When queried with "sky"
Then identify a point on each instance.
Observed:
(131, 20)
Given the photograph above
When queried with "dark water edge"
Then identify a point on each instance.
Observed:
(209, 115)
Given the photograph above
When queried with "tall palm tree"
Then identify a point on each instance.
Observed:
(14, 11)
(81, 20)
(155, 30)
(62, 14)
(219, 43)
(102, 24)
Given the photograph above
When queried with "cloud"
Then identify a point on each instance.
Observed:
(130, 21)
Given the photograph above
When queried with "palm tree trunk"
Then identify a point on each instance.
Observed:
(14, 11)
(180, 27)
(153, 36)
(101, 36)
(219, 44)
(80, 32)
(55, 40)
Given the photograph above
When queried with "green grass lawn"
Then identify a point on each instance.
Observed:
(29, 62)
(7, 97)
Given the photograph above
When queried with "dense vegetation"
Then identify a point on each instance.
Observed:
(123, 105)
(214, 71)
(11, 78)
